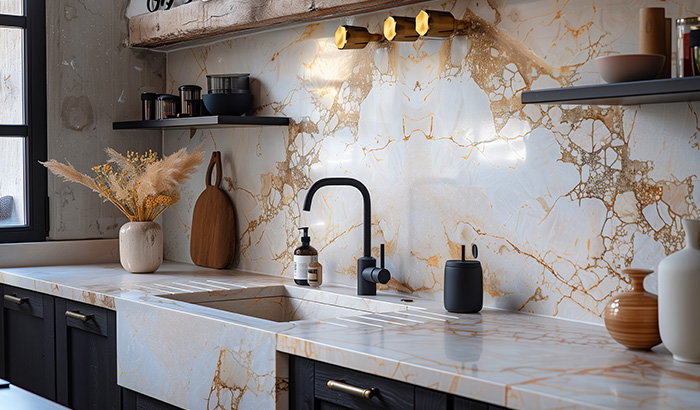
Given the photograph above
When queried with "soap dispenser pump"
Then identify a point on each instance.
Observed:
(464, 284)
(303, 256)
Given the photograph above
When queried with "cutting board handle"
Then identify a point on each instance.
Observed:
(215, 159)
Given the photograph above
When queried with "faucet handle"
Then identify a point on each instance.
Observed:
(381, 256)
(374, 274)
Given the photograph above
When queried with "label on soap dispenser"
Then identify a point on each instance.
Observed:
(301, 266)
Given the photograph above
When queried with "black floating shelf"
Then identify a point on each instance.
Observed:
(638, 92)
(211, 121)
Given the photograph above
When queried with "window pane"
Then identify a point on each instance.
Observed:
(12, 194)
(11, 75)
(13, 7)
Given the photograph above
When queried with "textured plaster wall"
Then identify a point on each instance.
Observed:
(558, 198)
(93, 80)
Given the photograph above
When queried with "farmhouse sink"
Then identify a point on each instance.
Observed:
(287, 303)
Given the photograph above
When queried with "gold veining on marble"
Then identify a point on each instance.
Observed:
(225, 393)
(98, 299)
(557, 197)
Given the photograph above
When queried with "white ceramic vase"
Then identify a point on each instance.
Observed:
(679, 297)
(141, 246)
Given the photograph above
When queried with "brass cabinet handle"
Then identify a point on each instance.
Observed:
(79, 316)
(15, 299)
(350, 389)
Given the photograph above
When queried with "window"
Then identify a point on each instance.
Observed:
(23, 201)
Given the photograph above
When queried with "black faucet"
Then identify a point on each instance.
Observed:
(368, 274)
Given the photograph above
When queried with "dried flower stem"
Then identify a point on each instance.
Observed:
(142, 187)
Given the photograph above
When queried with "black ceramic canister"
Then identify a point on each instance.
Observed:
(190, 100)
(694, 46)
(148, 106)
(166, 106)
(464, 284)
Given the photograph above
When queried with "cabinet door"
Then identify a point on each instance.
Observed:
(27, 341)
(308, 390)
(426, 399)
(86, 357)
(460, 403)
(389, 394)
(138, 401)
(301, 383)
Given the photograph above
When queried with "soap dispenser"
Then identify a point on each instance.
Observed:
(464, 284)
(303, 257)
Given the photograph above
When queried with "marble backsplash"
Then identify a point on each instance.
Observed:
(558, 198)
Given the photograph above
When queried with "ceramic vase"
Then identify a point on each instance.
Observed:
(679, 297)
(141, 246)
(631, 317)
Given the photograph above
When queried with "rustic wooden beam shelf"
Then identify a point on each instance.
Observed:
(638, 92)
(210, 121)
(189, 24)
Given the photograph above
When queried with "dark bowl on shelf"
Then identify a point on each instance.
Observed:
(228, 104)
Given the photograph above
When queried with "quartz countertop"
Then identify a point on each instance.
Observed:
(507, 358)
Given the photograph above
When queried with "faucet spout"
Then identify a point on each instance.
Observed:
(368, 275)
(343, 181)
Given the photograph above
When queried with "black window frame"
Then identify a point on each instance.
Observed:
(34, 129)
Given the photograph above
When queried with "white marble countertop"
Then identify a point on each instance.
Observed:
(511, 359)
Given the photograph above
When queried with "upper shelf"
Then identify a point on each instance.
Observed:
(200, 20)
(638, 92)
(210, 121)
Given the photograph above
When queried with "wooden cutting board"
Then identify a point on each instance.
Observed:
(213, 238)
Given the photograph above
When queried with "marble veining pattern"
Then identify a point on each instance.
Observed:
(518, 361)
(202, 358)
(170, 354)
(559, 198)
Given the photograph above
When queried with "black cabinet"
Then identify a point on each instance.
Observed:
(65, 351)
(460, 403)
(350, 389)
(137, 401)
(86, 357)
(27, 341)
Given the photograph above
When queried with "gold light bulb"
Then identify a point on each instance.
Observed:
(341, 38)
(400, 29)
(353, 37)
(431, 23)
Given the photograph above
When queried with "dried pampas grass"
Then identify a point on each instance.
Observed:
(168, 173)
(141, 186)
(69, 173)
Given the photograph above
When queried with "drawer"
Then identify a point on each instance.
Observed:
(309, 391)
(387, 394)
(75, 312)
(22, 300)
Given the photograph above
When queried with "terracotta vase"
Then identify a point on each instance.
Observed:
(141, 246)
(679, 297)
(632, 317)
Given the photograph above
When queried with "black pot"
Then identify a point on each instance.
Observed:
(228, 104)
